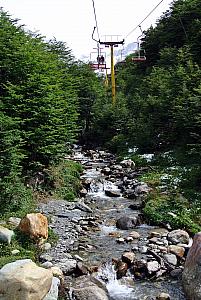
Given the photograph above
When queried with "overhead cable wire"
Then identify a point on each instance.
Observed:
(144, 19)
(95, 19)
(182, 24)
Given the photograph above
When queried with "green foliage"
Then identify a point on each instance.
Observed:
(40, 84)
(153, 178)
(65, 179)
(173, 209)
(109, 123)
(52, 236)
(20, 242)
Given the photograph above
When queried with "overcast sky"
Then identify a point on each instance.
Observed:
(72, 21)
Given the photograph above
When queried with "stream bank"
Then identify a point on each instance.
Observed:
(104, 234)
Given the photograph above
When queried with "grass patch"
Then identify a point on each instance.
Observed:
(27, 247)
(152, 178)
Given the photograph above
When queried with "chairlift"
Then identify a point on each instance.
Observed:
(99, 63)
(139, 54)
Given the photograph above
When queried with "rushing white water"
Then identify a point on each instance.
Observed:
(105, 230)
(116, 290)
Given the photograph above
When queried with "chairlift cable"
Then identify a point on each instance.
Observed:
(95, 18)
(182, 24)
(144, 19)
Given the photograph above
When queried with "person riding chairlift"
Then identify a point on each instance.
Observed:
(101, 59)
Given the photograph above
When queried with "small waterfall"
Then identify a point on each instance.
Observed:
(116, 290)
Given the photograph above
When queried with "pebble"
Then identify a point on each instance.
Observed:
(47, 265)
(46, 257)
(47, 246)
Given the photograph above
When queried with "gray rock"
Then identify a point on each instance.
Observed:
(6, 235)
(178, 236)
(153, 266)
(171, 259)
(128, 163)
(15, 252)
(88, 288)
(142, 189)
(68, 266)
(82, 206)
(14, 221)
(176, 273)
(23, 279)
(45, 257)
(125, 222)
(47, 265)
(46, 246)
(81, 269)
(54, 290)
(136, 205)
(134, 234)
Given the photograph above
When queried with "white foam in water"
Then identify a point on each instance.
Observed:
(92, 173)
(117, 291)
(107, 229)
(98, 187)
(108, 185)
(78, 155)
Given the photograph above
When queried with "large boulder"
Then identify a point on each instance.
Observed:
(23, 279)
(6, 234)
(125, 222)
(35, 225)
(191, 277)
(88, 288)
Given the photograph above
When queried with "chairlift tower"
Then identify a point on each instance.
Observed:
(112, 43)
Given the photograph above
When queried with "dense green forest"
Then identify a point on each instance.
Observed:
(49, 100)
(44, 93)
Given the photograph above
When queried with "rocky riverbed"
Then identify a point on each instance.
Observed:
(105, 249)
